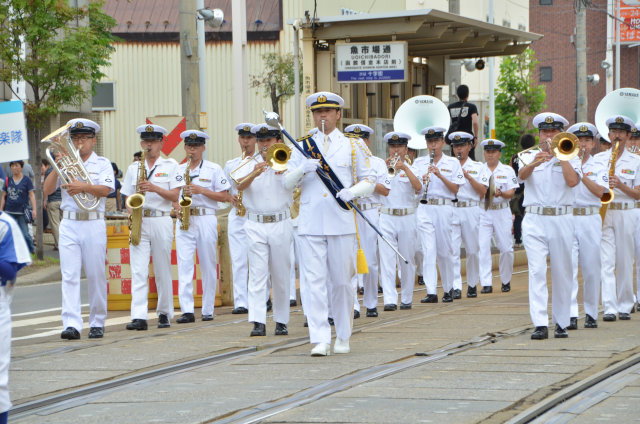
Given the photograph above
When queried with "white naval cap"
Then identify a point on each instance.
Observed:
(620, 122)
(262, 131)
(83, 126)
(460, 137)
(397, 137)
(151, 131)
(583, 129)
(324, 99)
(194, 137)
(359, 130)
(549, 120)
(492, 144)
(244, 128)
(433, 132)
(635, 131)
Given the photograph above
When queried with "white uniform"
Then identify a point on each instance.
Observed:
(269, 238)
(238, 249)
(497, 221)
(156, 238)
(618, 236)
(466, 223)
(547, 230)
(327, 238)
(587, 238)
(434, 221)
(83, 244)
(202, 236)
(398, 224)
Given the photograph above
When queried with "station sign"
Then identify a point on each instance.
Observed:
(372, 62)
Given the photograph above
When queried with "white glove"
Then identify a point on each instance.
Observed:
(345, 195)
(310, 165)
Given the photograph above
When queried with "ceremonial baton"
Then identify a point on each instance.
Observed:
(272, 119)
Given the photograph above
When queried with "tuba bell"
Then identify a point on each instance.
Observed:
(418, 113)
(623, 101)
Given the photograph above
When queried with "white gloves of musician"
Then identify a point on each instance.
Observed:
(310, 165)
(360, 189)
(345, 195)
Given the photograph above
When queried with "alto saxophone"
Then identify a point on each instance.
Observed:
(608, 196)
(240, 209)
(135, 203)
(185, 202)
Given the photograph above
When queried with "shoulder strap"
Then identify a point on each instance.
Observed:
(327, 176)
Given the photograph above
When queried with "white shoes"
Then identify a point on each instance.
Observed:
(322, 349)
(341, 346)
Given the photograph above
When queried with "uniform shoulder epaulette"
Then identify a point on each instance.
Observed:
(306, 137)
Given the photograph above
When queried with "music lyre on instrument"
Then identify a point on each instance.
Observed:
(185, 201)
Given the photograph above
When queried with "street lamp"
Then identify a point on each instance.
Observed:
(214, 18)
(593, 79)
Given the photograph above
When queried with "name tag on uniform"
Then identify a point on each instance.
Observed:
(445, 170)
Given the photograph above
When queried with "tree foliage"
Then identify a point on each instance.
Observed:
(277, 80)
(518, 100)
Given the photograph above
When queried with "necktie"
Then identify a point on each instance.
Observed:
(326, 143)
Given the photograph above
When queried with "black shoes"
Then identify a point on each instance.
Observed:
(293, 302)
(573, 323)
(590, 322)
(447, 297)
(609, 317)
(259, 329)
(269, 305)
(163, 321)
(420, 280)
(96, 332)
(137, 324)
(356, 314)
(430, 298)
(486, 289)
(405, 306)
(472, 292)
(560, 333)
(207, 317)
(540, 333)
(331, 323)
(624, 316)
(185, 318)
(379, 289)
(70, 333)
(506, 287)
(372, 313)
(361, 291)
(457, 294)
(390, 307)
(281, 329)
(240, 310)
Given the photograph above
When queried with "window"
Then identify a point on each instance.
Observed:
(506, 23)
(546, 2)
(546, 73)
(105, 96)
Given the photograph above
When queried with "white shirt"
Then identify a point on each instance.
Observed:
(597, 173)
(480, 173)
(546, 185)
(449, 168)
(267, 194)
(101, 173)
(504, 177)
(382, 177)
(402, 194)
(627, 170)
(208, 175)
(163, 174)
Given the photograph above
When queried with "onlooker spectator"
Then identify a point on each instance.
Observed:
(464, 117)
(517, 209)
(604, 144)
(52, 205)
(17, 196)
(137, 156)
(113, 199)
(26, 170)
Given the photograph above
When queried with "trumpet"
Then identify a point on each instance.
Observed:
(391, 170)
(424, 200)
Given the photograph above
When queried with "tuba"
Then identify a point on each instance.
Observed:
(66, 161)
(185, 202)
(623, 101)
(135, 203)
(418, 113)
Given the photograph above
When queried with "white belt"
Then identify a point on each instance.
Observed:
(82, 216)
(366, 206)
(268, 218)
(501, 205)
(202, 211)
(548, 210)
(397, 212)
(151, 213)
(439, 202)
(621, 206)
(467, 203)
(587, 210)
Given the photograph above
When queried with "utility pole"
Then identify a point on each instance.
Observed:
(455, 74)
(238, 47)
(581, 62)
(189, 64)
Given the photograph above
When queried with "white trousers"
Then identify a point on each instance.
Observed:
(586, 252)
(401, 232)
(239, 258)
(203, 237)
(269, 255)
(83, 244)
(156, 240)
(637, 241)
(495, 222)
(465, 227)
(369, 244)
(327, 267)
(292, 274)
(549, 236)
(617, 256)
(435, 232)
(5, 348)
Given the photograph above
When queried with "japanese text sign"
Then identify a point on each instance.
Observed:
(371, 62)
(13, 132)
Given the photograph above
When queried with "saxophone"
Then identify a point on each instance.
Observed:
(240, 209)
(607, 197)
(135, 203)
(185, 202)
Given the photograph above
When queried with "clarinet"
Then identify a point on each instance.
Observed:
(426, 184)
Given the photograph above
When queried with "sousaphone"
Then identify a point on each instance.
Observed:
(623, 101)
(418, 113)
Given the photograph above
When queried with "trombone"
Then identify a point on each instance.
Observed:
(564, 146)
(276, 157)
(245, 161)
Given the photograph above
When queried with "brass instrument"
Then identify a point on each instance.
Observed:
(423, 200)
(276, 157)
(185, 202)
(68, 165)
(564, 146)
(623, 101)
(420, 112)
(135, 203)
(240, 209)
(608, 196)
(391, 170)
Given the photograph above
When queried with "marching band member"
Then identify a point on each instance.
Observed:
(370, 206)
(160, 188)
(620, 222)
(326, 224)
(83, 235)
(496, 219)
(269, 235)
(208, 186)
(413, 148)
(237, 237)
(588, 227)
(634, 147)
(547, 228)
(398, 224)
(442, 176)
(467, 211)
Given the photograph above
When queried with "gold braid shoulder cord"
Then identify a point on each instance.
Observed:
(361, 259)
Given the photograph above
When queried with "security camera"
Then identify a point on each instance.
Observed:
(593, 79)
(296, 25)
(605, 64)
